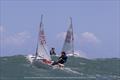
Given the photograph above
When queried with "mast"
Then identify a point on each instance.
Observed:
(36, 54)
(68, 45)
(72, 36)
(41, 19)
(42, 49)
(41, 33)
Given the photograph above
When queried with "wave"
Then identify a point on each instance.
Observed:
(18, 68)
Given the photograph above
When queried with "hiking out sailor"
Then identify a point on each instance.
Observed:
(52, 51)
(62, 59)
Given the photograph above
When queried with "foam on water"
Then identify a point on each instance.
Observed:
(18, 68)
(29, 58)
(69, 70)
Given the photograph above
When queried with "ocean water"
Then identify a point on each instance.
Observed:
(18, 68)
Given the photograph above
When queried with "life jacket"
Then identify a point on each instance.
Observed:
(63, 59)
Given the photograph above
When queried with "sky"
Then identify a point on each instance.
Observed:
(96, 26)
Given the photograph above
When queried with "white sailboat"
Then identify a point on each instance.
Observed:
(68, 46)
(42, 49)
(42, 55)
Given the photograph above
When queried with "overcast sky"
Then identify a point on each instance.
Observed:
(96, 26)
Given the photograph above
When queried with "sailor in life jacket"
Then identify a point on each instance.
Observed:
(62, 59)
(52, 51)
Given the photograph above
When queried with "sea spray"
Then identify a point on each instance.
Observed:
(18, 68)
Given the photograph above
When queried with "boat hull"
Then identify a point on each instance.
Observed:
(37, 62)
(40, 64)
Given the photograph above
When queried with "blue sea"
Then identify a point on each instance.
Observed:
(18, 68)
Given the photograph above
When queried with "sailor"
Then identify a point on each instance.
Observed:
(62, 59)
(52, 51)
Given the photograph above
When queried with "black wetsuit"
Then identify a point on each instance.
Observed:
(62, 59)
(52, 52)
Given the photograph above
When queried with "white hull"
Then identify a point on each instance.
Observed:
(40, 64)
(37, 62)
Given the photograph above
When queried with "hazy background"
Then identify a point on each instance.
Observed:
(96, 26)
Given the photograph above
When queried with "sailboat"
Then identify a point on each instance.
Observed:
(68, 46)
(42, 55)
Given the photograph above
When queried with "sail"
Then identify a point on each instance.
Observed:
(42, 50)
(68, 46)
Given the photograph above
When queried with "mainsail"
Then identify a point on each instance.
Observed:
(68, 46)
(42, 50)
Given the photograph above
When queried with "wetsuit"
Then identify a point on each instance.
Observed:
(61, 60)
(52, 52)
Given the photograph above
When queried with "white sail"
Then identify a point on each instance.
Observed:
(68, 46)
(42, 50)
